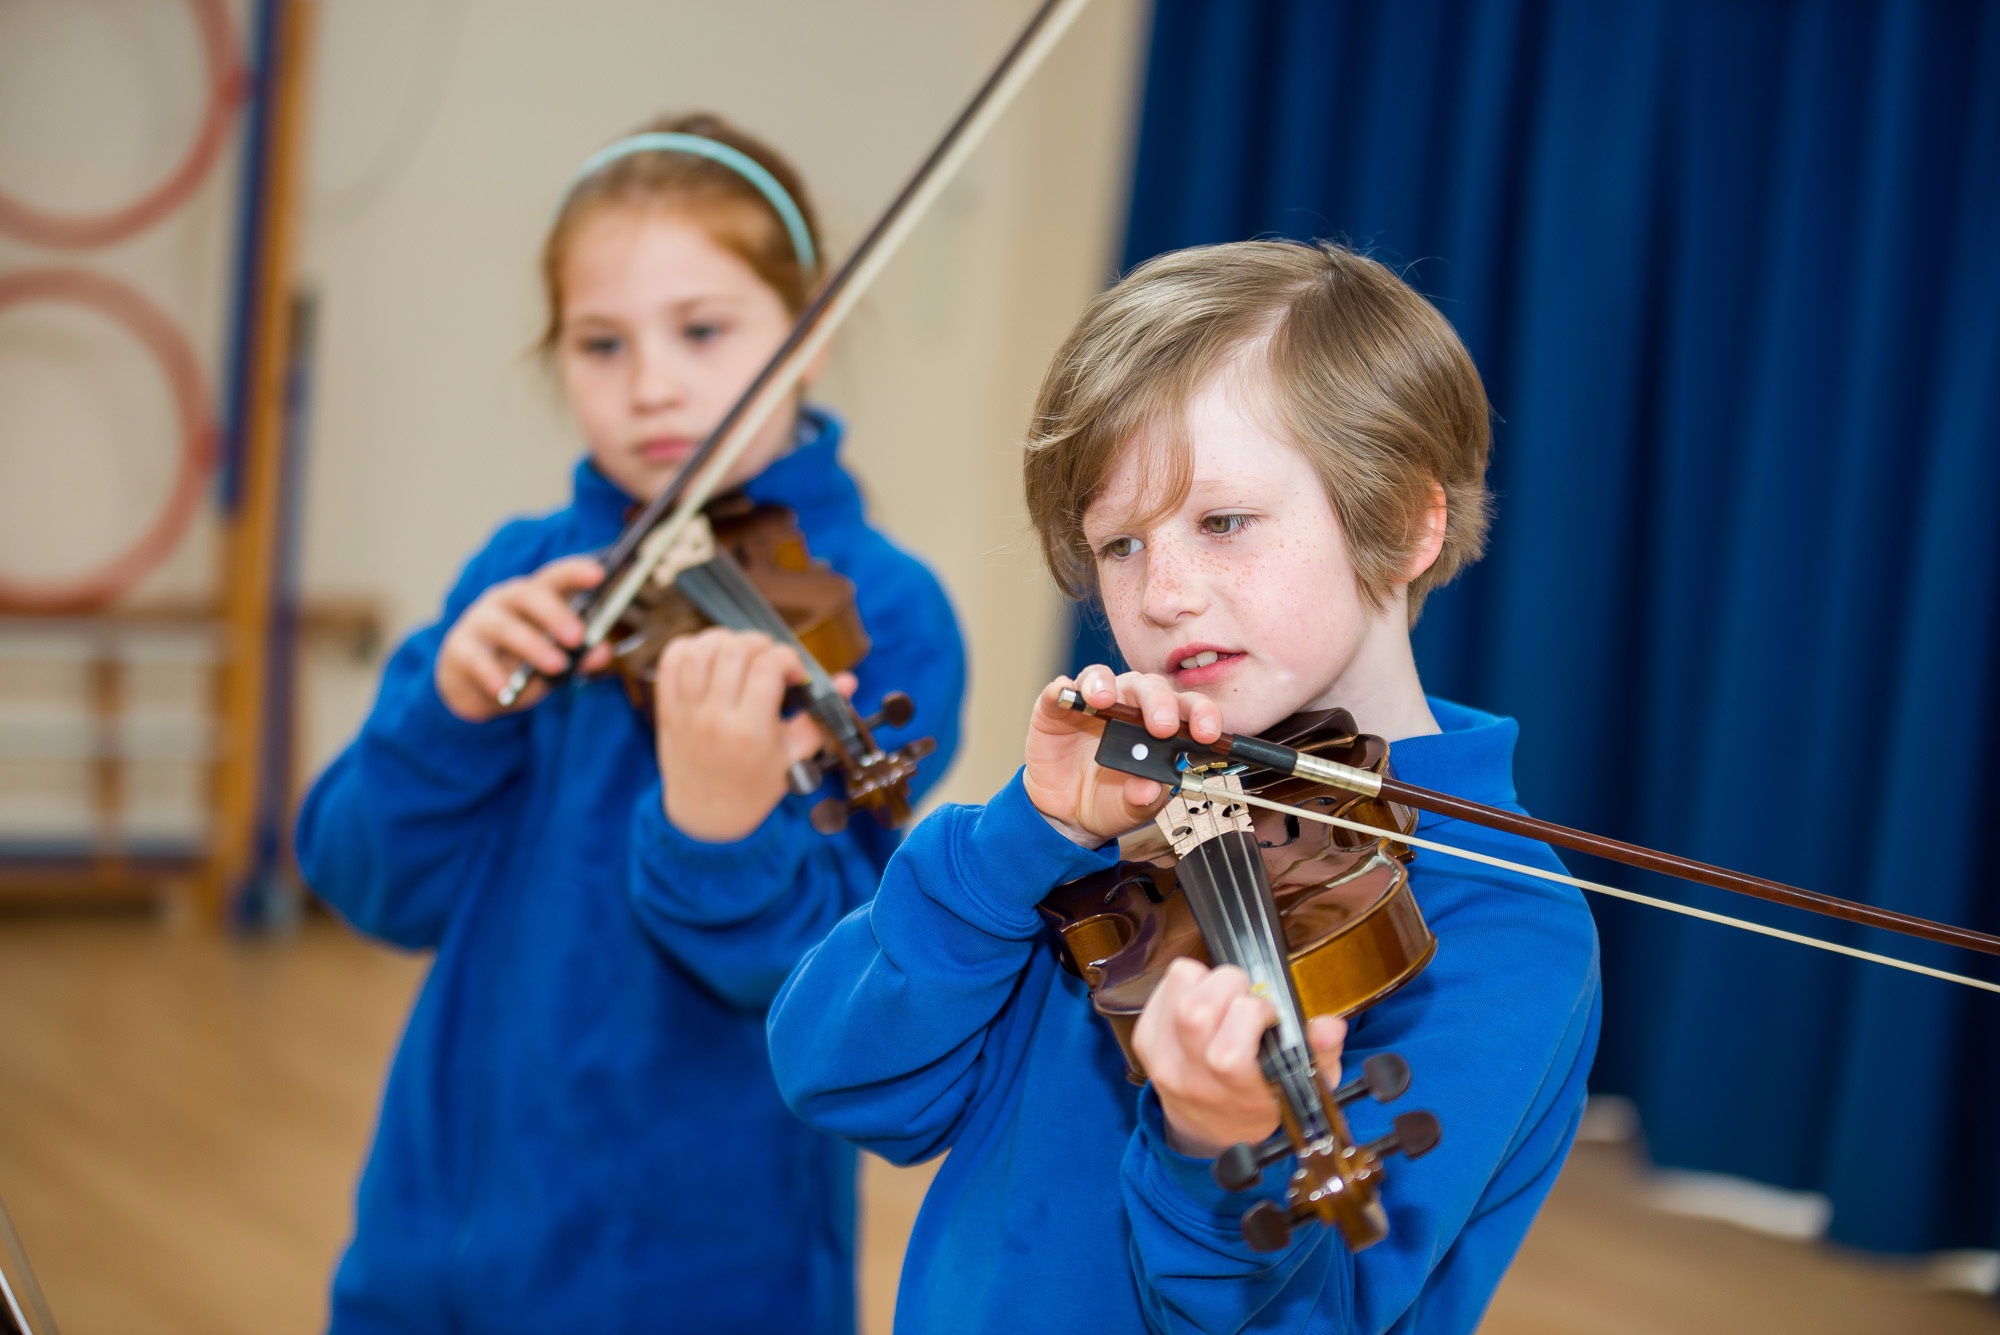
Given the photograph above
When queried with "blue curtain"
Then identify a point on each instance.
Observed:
(1731, 271)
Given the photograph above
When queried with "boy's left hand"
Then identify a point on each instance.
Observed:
(1198, 1039)
(724, 749)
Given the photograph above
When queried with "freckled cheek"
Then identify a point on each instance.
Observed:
(1121, 599)
(1294, 595)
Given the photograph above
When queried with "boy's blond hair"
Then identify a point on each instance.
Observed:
(1359, 371)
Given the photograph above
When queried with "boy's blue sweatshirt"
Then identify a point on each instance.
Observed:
(580, 1131)
(937, 1018)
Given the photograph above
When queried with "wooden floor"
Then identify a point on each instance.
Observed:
(181, 1120)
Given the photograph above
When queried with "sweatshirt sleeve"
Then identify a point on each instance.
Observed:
(1195, 1272)
(888, 1032)
(417, 804)
(739, 915)
(1498, 1032)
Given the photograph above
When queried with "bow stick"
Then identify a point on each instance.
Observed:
(651, 535)
(23, 1309)
(1128, 748)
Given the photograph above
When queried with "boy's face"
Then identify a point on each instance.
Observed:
(662, 329)
(1244, 591)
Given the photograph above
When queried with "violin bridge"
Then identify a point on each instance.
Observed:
(1194, 815)
(694, 545)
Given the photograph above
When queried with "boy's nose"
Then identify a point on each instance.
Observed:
(1172, 592)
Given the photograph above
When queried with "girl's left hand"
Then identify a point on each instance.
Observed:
(1198, 1039)
(723, 747)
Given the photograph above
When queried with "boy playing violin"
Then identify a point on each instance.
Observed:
(1260, 457)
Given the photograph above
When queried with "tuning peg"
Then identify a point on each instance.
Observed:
(1267, 1227)
(1415, 1135)
(829, 815)
(1384, 1077)
(1242, 1165)
(896, 712)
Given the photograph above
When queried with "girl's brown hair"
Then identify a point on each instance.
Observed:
(1358, 371)
(729, 208)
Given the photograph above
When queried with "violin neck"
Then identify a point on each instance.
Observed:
(720, 591)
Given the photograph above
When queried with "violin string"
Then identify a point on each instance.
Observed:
(1244, 941)
(1635, 897)
(1274, 968)
(722, 591)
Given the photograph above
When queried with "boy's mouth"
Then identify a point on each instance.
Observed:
(1201, 664)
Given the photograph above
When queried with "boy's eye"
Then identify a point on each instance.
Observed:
(1221, 526)
(1119, 548)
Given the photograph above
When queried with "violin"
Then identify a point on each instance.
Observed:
(1322, 919)
(694, 557)
(745, 565)
(1342, 937)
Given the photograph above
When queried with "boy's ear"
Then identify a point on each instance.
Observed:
(1430, 535)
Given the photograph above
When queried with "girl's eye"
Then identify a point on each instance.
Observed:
(699, 334)
(600, 345)
(1119, 548)
(1222, 526)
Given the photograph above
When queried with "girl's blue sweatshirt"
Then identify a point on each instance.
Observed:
(581, 1131)
(937, 1018)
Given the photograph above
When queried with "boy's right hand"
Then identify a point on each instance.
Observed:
(1088, 803)
(526, 620)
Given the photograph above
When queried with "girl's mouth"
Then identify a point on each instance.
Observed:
(666, 449)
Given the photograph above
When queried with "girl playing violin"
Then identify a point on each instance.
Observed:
(1260, 457)
(581, 1131)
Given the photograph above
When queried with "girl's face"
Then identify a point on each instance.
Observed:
(1244, 591)
(662, 329)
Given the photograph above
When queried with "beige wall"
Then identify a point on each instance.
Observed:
(442, 130)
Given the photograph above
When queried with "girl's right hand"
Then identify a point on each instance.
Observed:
(525, 620)
(1088, 803)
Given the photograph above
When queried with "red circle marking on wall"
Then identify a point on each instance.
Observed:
(144, 321)
(62, 231)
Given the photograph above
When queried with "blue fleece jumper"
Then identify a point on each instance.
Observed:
(581, 1131)
(937, 1018)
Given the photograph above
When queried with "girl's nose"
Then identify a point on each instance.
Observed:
(656, 380)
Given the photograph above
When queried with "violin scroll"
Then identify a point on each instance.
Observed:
(1341, 1185)
(1385, 1077)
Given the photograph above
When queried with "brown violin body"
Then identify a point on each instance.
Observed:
(1353, 929)
(815, 600)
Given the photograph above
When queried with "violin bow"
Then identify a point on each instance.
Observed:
(23, 1309)
(1130, 749)
(631, 560)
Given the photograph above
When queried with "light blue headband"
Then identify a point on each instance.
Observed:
(735, 159)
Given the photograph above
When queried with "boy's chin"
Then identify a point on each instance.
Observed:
(1248, 710)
